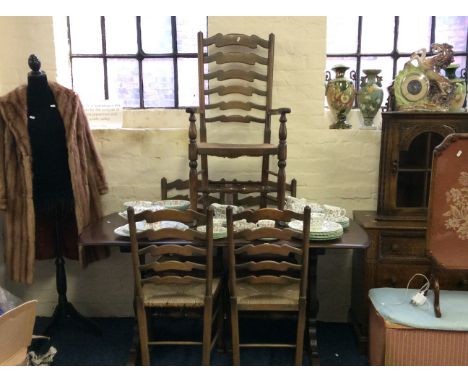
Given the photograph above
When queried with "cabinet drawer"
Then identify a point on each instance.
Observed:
(398, 246)
(398, 275)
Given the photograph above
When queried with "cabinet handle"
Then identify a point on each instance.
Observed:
(392, 281)
(395, 247)
(395, 166)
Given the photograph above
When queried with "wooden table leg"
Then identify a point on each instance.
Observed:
(313, 307)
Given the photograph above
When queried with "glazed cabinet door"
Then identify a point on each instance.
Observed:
(408, 141)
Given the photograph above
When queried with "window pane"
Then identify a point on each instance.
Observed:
(85, 32)
(377, 34)
(342, 34)
(158, 79)
(188, 82)
(121, 34)
(461, 61)
(187, 29)
(452, 30)
(401, 63)
(123, 81)
(414, 33)
(156, 34)
(88, 78)
(385, 64)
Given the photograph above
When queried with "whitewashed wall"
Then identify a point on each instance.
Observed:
(331, 166)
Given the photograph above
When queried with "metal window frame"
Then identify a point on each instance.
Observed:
(139, 56)
(394, 54)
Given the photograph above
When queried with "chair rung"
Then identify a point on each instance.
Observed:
(184, 343)
(237, 189)
(267, 345)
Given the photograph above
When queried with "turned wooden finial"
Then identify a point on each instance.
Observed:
(34, 64)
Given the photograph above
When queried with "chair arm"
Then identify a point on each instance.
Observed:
(281, 110)
(191, 110)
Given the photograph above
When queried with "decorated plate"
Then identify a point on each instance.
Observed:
(143, 226)
(141, 208)
(174, 204)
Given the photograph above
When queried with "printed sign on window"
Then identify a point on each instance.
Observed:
(104, 114)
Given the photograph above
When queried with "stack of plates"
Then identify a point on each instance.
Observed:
(328, 231)
(343, 221)
(143, 226)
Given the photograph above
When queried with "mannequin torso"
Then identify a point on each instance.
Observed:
(51, 180)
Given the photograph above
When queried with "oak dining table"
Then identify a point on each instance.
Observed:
(355, 238)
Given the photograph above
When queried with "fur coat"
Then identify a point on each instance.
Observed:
(16, 190)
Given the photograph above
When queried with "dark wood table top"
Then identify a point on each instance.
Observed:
(101, 233)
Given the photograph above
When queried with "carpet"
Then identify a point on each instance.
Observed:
(78, 347)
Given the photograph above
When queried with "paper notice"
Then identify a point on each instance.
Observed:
(106, 114)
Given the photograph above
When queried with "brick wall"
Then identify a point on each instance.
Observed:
(331, 166)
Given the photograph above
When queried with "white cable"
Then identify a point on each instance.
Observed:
(419, 298)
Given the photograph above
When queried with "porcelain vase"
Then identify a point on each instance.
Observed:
(340, 95)
(456, 105)
(370, 96)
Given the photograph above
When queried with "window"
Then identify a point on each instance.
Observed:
(386, 42)
(141, 61)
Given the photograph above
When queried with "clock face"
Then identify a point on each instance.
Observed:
(415, 87)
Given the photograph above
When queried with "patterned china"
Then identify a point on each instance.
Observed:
(334, 211)
(218, 231)
(173, 204)
(219, 210)
(141, 226)
(328, 231)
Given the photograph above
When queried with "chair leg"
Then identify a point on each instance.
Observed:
(207, 317)
(221, 343)
(235, 333)
(437, 311)
(143, 332)
(300, 333)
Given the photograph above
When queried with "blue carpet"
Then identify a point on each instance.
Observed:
(78, 347)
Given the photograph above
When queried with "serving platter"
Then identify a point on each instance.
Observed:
(141, 226)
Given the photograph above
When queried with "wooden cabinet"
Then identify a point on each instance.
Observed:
(408, 140)
(397, 230)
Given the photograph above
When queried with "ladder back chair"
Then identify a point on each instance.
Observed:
(268, 268)
(447, 224)
(237, 77)
(179, 189)
(271, 200)
(173, 273)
